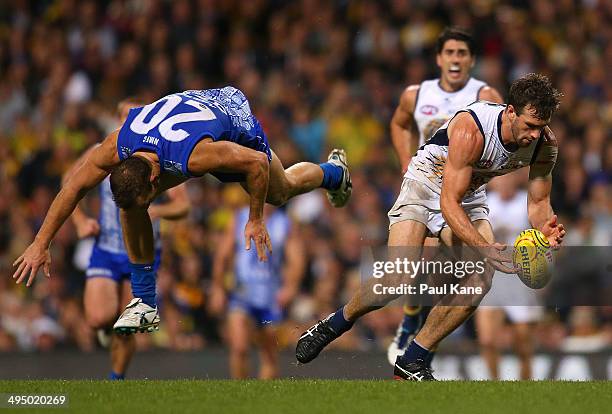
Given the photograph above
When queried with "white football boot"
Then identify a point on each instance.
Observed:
(339, 197)
(137, 317)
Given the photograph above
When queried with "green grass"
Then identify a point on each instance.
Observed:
(322, 396)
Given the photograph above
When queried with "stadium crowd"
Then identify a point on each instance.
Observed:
(318, 75)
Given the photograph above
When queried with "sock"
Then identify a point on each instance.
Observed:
(412, 320)
(143, 283)
(338, 323)
(114, 376)
(415, 351)
(332, 176)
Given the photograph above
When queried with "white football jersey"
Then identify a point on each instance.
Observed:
(427, 165)
(434, 106)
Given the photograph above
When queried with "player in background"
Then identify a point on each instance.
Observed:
(161, 145)
(107, 285)
(443, 194)
(508, 296)
(261, 291)
(422, 109)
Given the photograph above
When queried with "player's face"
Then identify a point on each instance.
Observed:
(455, 62)
(526, 127)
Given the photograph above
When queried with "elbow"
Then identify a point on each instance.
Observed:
(445, 205)
(261, 164)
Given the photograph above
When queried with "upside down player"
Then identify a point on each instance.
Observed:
(443, 193)
(421, 111)
(160, 145)
(106, 290)
(261, 292)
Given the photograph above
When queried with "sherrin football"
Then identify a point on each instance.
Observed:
(533, 255)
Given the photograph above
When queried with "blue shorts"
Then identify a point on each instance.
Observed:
(260, 143)
(262, 316)
(113, 265)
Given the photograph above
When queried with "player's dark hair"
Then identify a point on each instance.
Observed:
(455, 33)
(536, 90)
(129, 181)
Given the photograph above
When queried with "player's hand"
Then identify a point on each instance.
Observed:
(32, 259)
(87, 227)
(256, 230)
(285, 296)
(218, 300)
(496, 255)
(555, 232)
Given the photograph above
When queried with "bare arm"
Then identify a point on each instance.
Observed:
(175, 208)
(404, 132)
(89, 174)
(490, 94)
(295, 264)
(539, 209)
(85, 225)
(465, 145)
(223, 156)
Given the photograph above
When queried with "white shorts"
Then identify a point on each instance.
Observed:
(418, 202)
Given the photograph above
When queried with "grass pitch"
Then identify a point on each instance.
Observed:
(320, 396)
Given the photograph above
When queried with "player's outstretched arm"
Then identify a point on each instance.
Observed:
(224, 156)
(85, 226)
(539, 209)
(177, 206)
(89, 174)
(404, 132)
(465, 146)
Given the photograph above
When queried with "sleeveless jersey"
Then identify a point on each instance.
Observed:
(172, 126)
(257, 282)
(110, 238)
(427, 165)
(434, 106)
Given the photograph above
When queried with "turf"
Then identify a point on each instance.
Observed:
(321, 396)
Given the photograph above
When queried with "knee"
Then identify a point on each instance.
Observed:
(99, 319)
(277, 199)
(487, 342)
(238, 348)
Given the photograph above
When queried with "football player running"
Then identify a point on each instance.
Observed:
(443, 193)
(422, 109)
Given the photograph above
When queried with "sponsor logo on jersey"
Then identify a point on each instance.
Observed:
(429, 110)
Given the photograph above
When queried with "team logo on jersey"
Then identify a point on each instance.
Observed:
(429, 110)
(126, 152)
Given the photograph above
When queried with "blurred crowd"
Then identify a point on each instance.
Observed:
(319, 74)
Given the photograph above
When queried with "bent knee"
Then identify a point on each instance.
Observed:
(100, 318)
(277, 200)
